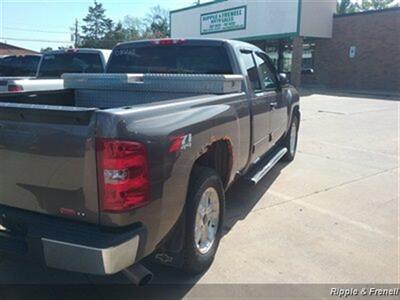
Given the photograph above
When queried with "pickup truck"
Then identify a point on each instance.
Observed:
(135, 163)
(55, 63)
(19, 65)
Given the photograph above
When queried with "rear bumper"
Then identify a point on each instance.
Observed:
(84, 259)
(67, 245)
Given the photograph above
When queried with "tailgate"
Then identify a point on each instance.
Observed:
(47, 160)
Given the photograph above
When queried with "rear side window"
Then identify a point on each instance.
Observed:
(29, 65)
(54, 65)
(252, 71)
(9, 66)
(19, 65)
(184, 59)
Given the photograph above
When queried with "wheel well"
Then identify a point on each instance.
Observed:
(296, 112)
(218, 157)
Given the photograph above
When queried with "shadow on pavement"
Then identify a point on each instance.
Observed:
(243, 196)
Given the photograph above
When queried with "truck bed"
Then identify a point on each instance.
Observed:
(47, 140)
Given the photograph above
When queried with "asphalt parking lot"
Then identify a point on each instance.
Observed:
(331, 216)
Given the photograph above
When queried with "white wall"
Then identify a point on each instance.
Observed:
(317, 18)
(265, 19)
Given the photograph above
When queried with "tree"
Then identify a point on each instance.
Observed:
(376, 4)
(96, 27)
(133, 28)
(157, 23)
(345, 7)
(99, 31)
(113, 36)
(47, 49)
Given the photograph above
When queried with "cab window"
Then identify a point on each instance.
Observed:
(268, 78)
(251, 68)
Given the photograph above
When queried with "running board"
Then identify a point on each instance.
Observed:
(255, 178)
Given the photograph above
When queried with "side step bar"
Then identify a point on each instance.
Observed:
(255, 178)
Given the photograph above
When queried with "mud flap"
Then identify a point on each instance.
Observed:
(170, 251)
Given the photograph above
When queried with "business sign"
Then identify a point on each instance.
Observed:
(223, 20)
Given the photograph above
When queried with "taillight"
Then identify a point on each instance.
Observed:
(123, 174)
(165, 42)
(15, 88)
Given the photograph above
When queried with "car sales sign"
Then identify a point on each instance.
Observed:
(223, 20)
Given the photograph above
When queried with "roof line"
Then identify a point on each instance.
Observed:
(17, 48)
(368, 12)
(196, 6)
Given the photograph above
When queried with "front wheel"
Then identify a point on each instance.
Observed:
(204, 220)
(290, 141)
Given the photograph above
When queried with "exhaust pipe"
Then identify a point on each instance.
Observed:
(138, 274)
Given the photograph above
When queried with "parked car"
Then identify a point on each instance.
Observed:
(19, 65)
(55, 63)
(135, 163)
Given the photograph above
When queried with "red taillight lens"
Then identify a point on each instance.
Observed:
(123, 174)
(15, 88)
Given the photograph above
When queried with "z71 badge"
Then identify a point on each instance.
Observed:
(186, 141)
(180, 142)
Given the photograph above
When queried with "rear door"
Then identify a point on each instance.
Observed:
(270, 85)
(260, 107)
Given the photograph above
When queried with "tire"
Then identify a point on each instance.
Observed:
(198, 252)
(292, 134)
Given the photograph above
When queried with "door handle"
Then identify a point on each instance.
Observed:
(273, 104)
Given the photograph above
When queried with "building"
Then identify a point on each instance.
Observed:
(278, 27)
(7, 49)
(306, 39)
(363, 53)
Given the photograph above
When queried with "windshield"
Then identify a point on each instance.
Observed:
(19, 65)
(171, 59)
(54, 65)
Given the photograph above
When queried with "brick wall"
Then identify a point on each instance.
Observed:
(376, 65)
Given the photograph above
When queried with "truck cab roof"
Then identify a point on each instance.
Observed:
(197, 41)
(105, 52)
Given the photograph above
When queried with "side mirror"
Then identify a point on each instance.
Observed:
(283, 79)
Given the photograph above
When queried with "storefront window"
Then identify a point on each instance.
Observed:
(272, 52)
(307, 65)
(308, 56)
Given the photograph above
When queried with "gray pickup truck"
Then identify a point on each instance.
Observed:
(135, 163)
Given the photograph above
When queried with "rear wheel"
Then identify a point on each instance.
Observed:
(204, 220)
(290, 141)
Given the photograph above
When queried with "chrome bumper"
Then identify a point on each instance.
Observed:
(84, 259)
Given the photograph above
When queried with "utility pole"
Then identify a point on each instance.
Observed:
(76, 34)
